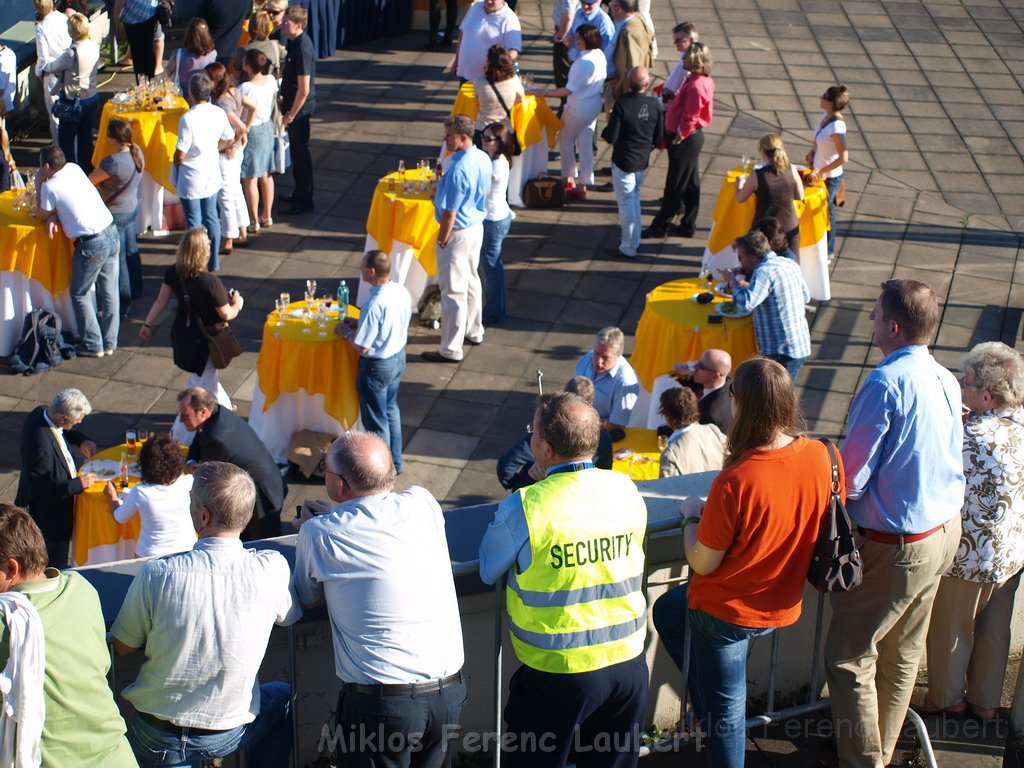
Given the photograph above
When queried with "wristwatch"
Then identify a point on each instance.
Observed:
(691, 520)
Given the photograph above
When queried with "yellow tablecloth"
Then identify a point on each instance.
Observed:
(734, 219)
(154, 130)
(407, 217)
(643, 463)
(674, 328)
(291, 360)
(529, 117)
(94, 523)
(25, 248)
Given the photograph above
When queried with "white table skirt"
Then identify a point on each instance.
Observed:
(813, 264)
(124, 549)
(290, 413)
(19, 295)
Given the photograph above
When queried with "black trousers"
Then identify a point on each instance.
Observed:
(682, 182)
(140, 43)
(593, 717)
(560, 64)
(302, 160)
(451, 17)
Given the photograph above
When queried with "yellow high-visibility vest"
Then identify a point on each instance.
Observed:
(580, 605)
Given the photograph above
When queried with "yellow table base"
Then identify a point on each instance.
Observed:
(95, 525)
(405, 217)
(25, 247)
(645, 461)
(529, 117)
(156, 133)
(674, 328)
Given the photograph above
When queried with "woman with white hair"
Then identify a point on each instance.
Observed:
(969, 635)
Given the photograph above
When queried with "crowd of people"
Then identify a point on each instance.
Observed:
(929, 466)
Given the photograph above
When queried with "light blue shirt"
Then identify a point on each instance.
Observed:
(902, 453)
(464, 188)
(777, 295)
(615, 392)
(384, 321)
(609, 49)
(601, 20)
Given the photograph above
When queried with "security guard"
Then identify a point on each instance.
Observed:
(572, 545)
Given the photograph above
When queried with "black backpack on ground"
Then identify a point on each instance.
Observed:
(42, 345)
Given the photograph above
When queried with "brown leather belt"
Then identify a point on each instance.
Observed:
(897, 538)
(407, 689)
(166, 725)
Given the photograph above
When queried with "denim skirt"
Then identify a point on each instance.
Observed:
(259, 151)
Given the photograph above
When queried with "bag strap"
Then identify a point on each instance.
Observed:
(834, 488)
(78, 73)
(501, 101)
(124, 186)
(192, 311)
(825, 125)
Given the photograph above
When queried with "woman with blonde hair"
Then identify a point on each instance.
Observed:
(196, 53)
(118, 178)
(748, 547)
(260, 28)
(775, 184)
(202, 298)
(77, 67)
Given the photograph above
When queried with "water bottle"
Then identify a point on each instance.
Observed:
(122, 474)
(342, 300)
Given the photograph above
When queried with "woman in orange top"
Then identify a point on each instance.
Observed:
(749, 547)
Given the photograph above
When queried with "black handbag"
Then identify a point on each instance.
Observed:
(165, 12)
(836, 565)
(223, 343)
(516, 149)
(66, 107)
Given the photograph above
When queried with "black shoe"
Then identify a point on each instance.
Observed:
(606, 187)
(616, 253)
(654, 232)
(431, 46)
(437, 357)
(682, 231)
(297, 208)
(446, 41)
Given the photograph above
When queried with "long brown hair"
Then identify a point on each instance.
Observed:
(218, 75)
(198, 40)
(765, 406)
(121, 132)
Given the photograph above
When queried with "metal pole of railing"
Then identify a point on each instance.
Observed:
(922, 736)
(499, 588)
(819, 620)
(771, 671)
(293, 677)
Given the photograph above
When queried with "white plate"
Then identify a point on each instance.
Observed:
(719, 310)
(105, 469)
(720, 289)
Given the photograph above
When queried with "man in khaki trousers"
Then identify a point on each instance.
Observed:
(905, 486)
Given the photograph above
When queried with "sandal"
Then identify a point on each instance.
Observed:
(266, 223)
(253, 229)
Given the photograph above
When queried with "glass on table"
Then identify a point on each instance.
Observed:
(281, 308)
(321, 320)
(662, 442)
(328, 302)
(307, 316)
(311, 287)
(122, 471)
(286, 298)
(130, 437)
(143, 435)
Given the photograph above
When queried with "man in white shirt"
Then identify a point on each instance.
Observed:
(487, 23)
(380, 338)
(380, 561)
(616, 383)
(204, 619)
(67, 197)
(52, 39)
(8, 81)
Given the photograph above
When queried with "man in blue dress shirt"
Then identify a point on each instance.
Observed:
(905, 486)
(460, 208)
(380, 339)
(615, 382)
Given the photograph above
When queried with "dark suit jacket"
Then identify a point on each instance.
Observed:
(46, 488)
(226, 436)
(716, 408)
(514, 465)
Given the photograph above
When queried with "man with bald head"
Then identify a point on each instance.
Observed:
(572, 547)
(379, 560)
(635, 127)
(709, 377)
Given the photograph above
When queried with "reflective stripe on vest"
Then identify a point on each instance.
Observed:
(579, 606)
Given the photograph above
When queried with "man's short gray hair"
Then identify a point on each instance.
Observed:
(612, 337)
(999, 370)
(461, 124)
(363, 461)
(70, 404)
(200, 86)
(754, 243)
(227, 492)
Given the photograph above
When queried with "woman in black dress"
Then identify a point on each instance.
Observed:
(201, 294)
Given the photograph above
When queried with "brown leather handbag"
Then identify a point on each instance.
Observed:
(544, 193)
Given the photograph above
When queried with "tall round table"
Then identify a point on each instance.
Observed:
(733, 219)
(675, 328)
(35, 272)
(303, 381)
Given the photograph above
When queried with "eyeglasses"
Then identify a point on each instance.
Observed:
(731, 393)
(529, 429)
(489, 138)
(702, 367)
(275, 13)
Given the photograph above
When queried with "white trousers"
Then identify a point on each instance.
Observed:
(234, 213)
(461, 294)
(579, 119)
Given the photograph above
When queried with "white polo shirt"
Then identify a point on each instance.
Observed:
(480, 30)
(77, 203)
(199, 130)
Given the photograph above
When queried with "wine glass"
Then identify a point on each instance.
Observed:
(281, 309)
(311, 287)
(307, 317)
(286, 299)
(328, 302)
(321, 320)
(129, 438)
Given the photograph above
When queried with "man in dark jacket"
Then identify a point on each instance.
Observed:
(221, 435)
(635, 127)
(49, 478)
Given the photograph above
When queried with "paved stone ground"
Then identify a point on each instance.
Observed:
(936, 142)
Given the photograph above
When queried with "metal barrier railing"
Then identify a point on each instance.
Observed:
(472, 568)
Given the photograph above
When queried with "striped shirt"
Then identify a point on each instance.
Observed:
(777, 294)
(138, 11)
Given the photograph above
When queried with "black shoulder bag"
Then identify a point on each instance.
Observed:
(224, 346)
(835, 565)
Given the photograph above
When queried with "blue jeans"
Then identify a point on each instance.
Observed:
(203, 211)
(377, 385)
(627, 195)
(398, 731)
(832, 186)
(267, 739)
(492, 271)
(718, 671)
(791, 364)
(74, 137)
(94, 262)
(130, 264)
